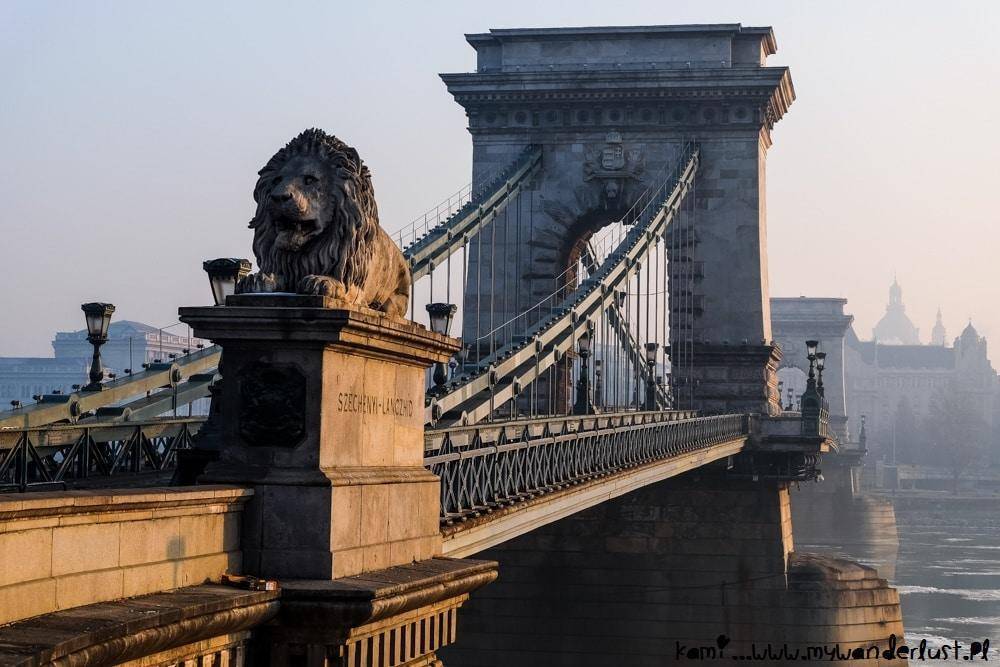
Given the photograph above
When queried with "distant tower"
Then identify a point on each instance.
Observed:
(938, 333)
(895, 328)
(895, 295)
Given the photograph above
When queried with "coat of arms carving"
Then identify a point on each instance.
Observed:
(612, 166)
(272, 405)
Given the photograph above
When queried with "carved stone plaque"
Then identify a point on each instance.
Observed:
(272, 405)
(613, 167)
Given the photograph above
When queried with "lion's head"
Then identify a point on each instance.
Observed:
(316, 212)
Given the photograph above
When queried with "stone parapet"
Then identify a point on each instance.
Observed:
(60, 550)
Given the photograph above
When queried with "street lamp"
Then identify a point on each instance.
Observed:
(463, 356)
(441, 316)
(651, 350)
(811, 347)
(820, 363)
(811, 400)
(223, 274)
(584, 406)
(98, 316)
(598, 382)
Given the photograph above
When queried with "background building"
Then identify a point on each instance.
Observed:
(924, 404)
(934, 405)
(130, 344)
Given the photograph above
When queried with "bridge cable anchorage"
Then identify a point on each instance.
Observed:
(528, 361)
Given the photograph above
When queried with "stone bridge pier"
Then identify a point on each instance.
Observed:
(698, 568)
(835, 514)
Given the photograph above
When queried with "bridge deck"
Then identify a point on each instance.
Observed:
(490, 529)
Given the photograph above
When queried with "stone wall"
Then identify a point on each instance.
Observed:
(676, 564)
(67, 549)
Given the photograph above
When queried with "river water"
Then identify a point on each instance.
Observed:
(946, 569)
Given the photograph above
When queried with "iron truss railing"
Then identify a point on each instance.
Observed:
(59, 455)
(482, 467)
(493, 465)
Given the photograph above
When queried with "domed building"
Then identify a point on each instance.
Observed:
(895, 328)
(895, 381)
(892, 381)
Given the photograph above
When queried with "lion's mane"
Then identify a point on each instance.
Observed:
(345, 247)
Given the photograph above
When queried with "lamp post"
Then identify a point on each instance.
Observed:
(820, 363)
(651, 350)
(583, 405)
(811, 347)
(463, 357)
(98, 316)
(441, 316)
(790, 403)
(224, 274)
(598, 383)
(811, 400)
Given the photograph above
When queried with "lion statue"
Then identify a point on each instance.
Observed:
(316, 229)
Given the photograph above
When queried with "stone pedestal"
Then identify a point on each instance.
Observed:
(397, 617)
(732, 378)
(322, 413)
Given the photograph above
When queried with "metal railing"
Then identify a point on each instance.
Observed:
(59, 455)
(482, 468)
(492, 465)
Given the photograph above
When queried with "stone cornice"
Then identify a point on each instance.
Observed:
(116, 632)
(56, 504)
(319, 321)
(499, 35)
(769, 87)
(374, 596)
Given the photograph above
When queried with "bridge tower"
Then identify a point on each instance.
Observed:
(610, 106)
(798, 319)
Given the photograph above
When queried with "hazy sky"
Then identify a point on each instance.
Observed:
(131, 133)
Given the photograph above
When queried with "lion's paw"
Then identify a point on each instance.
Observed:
(322, 285)
(257, 283)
